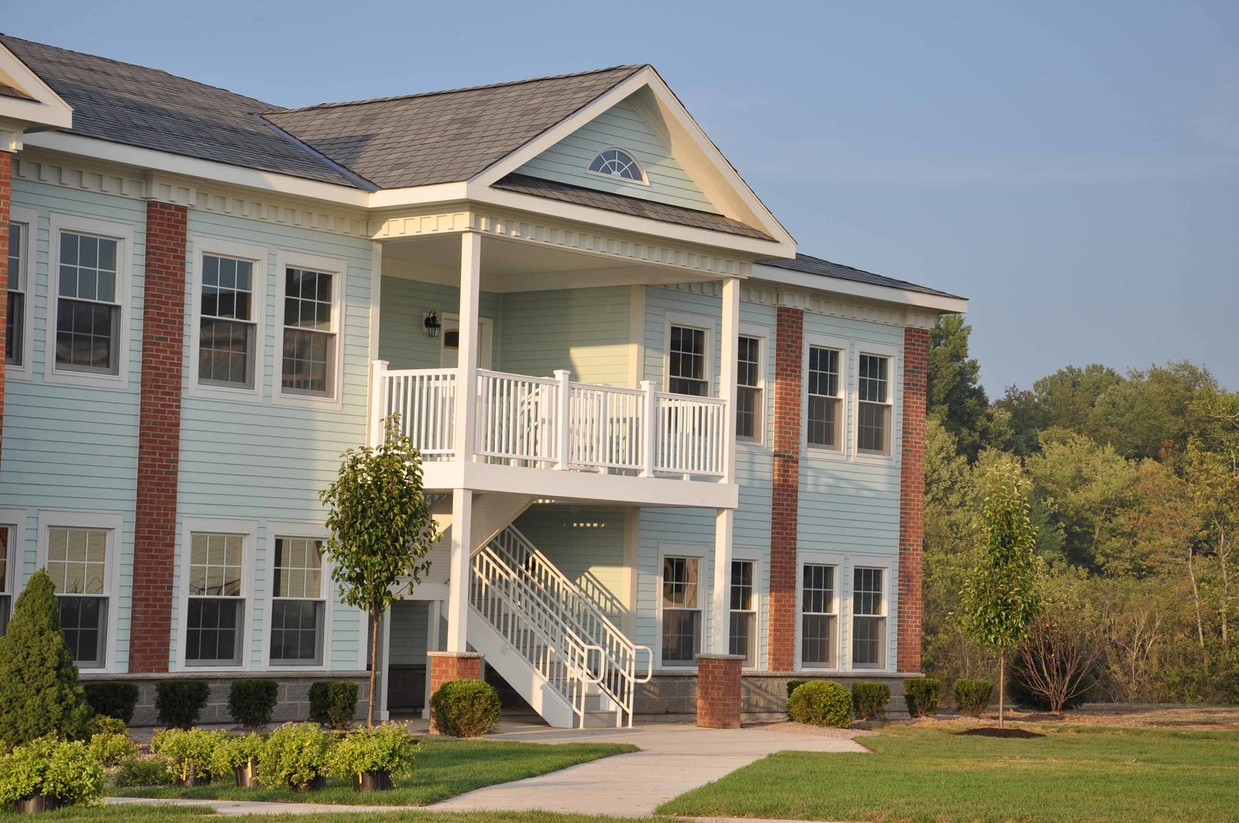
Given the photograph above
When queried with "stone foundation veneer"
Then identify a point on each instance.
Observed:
(447, 666)
(718, 690)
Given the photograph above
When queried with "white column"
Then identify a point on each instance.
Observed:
(467, 364)
(724, 519)
(458, 574)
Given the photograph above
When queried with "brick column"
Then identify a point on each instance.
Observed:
(159, 436)
(912, 497)
(718, 690)
(785, 500)
(445, 666)
(6, 191)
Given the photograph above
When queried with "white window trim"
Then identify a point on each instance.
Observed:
(645, 178)
(312, 531)
(896, 395)
(700, 553)
(30, 219)
(693, 321)
(764, 431)
(284, 260)
(114, 525)
(844, 348)
(813, 558)
(248, 529)
(15, 520)
(201, 246)
(760, 584)
(123, 233)
(883, 565)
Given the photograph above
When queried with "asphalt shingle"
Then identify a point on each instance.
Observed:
(816, 265)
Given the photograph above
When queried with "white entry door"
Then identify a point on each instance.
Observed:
(450, 341)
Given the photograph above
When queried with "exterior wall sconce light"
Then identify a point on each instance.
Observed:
(431, 324)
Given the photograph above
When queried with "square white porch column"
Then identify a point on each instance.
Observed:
(724, 519)
(458, 573)
(467, 352)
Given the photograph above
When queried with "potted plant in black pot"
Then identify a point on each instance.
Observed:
(239, 754)
(294, 757)
(371, 756)
(190, 754)
(46, 774)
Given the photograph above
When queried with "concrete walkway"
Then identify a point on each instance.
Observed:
(674, 759)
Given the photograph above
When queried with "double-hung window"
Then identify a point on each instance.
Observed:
(310, 332)
(681, 611)
(819, 616)
(749, 401)
(227, 324)
(824, 424)
(77, 562)
(298, 606)
(873, 411)
(215, 615)
(15, 320)
(686, 366)
(6, 592)
(743, 636)
(88, 304)
(868, 619)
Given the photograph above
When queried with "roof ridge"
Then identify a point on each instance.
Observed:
(266, 107)
(634, 67)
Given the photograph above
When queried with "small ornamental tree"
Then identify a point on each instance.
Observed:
(39, 690)
(1000, 598)
(381, 529)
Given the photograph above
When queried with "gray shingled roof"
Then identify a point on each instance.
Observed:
(148, 108)
(446, 136)
(523, 184)
(816, 265)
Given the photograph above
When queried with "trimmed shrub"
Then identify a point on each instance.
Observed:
(237, 751)
(102, 724)
(820, 703)
(51, 768)
(252, 702)
(190, 753)
(388, 747)
(465, 708)
(792, 684)
(143, 771)
(333, 703)
(112, 699)
(111, 749)
(39, 691)
(921, 695)
(294, 757)
(869, 700)
(179, 702)
(972, 696)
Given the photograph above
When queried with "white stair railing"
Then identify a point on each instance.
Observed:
(617, 676)
(531, 627)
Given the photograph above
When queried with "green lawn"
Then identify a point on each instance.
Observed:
(445, 768)
(926, 773)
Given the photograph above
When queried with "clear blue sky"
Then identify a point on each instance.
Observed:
(1073, 168)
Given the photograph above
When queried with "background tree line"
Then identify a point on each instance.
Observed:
(1135, 502)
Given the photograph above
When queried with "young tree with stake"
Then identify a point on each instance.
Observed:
(381, 530)
(1000, 598)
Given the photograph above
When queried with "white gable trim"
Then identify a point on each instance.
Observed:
(47, 111)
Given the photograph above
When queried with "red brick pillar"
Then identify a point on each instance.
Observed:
(445, 666)
(785, 500)
(6, 191)
(159, 436)
(912, 497)
(718, 690)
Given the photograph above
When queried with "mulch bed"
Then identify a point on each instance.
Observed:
(993, 731)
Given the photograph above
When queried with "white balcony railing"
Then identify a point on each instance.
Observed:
(554, 423)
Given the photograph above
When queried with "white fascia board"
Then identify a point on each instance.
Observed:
(203, 169)
(418, 195)
(628, 223)
(47, 111)
(885, 294)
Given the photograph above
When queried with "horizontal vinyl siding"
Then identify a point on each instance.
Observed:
(403, 341)
(73, 447)
(266, 461)
(583, 330)
(623, 127)
(407, 635)
(587, 546)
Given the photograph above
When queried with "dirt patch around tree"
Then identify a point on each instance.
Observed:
(994, 731)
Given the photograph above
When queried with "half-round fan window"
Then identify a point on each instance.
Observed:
(619, 163)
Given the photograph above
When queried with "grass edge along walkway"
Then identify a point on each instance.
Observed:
(926, 773)
(444, 768)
